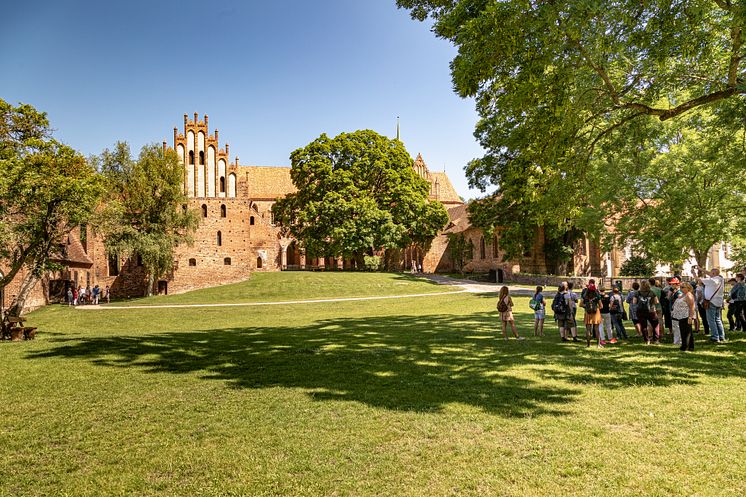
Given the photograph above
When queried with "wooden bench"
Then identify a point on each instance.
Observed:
(13, 329)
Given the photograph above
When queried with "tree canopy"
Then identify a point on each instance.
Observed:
(357, 193)
(673, 188)
(46, 190)
(559, 83)
(147, 213)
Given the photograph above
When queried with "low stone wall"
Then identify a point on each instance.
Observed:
(550, 281)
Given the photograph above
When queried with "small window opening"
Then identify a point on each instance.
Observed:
(223, 211)
(192, 262)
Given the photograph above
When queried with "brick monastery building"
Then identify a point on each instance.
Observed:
(236, 234)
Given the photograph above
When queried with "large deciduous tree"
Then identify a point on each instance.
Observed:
(674, 189)
(146, 214)
(357, 193)
(555, 82)
(46, 190)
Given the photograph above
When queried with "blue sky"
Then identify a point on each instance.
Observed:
(272, 76)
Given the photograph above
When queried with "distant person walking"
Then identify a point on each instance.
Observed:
(505, 307)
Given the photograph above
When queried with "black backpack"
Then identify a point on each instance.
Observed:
(559, 305)
(590, 304)
(614, 306)
(645, 304)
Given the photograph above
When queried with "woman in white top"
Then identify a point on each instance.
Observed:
(684, 311)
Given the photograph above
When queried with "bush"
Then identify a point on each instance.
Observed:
(637, 266)
(372, 262)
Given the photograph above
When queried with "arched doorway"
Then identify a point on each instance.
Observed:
(292, 257)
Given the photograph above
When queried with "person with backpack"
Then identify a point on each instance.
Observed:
(633, 307)
(605, 330)
(563, 313)
(658, 308)
(572, 301)
(538, 305)
(616, 309)
(590, 300)
(505, 307)
(646, 301)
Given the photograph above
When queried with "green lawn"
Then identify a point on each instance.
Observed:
(406, 397)
(300, 285)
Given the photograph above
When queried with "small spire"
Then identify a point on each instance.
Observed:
(397, 127)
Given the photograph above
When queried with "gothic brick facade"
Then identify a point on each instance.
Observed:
(236, 235)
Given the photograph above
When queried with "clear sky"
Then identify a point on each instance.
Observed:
(271, 75)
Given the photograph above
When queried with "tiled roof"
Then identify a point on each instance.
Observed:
(73, 254)
(446, 192)
(267, 182)
(459, 219)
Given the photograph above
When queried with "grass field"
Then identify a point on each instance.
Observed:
(406, 397)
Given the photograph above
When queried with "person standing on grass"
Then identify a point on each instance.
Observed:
(616, 309)
(572, 300)
(673, 294)
(590, 301)
(107, 294)
(699, 297)
(666, 302)
(605, 330)
(684, 310)
(633, 307)
(505, 307)
(561, 311)
(539, 307)
(738, 299)
(658, 308)
(69, 296)
(646, 313)
(713, 294)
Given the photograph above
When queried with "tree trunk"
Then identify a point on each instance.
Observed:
(151, 281)
(28, 284)
(701, 260)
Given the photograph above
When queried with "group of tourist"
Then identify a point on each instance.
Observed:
(87, 295)
(679, 309)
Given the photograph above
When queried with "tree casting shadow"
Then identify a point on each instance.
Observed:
(417, 363)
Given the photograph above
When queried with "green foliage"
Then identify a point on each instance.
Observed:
(46, 190)
(372, 262)
(638, 266)
(357, 193)
(462, 250)
(676, 187)
(146, 214)
(558, 84)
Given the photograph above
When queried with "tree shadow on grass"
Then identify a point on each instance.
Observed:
(413, 363)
